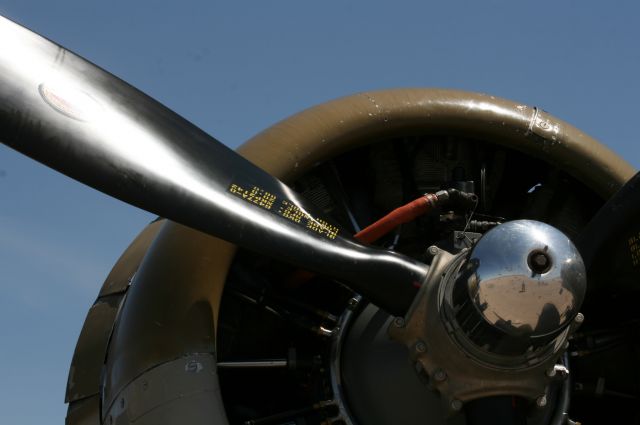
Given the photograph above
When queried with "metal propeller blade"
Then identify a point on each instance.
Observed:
(70, 115)
(610, 243)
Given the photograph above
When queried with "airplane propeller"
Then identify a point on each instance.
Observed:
(610, 243)
(76, 118)
(82, 121)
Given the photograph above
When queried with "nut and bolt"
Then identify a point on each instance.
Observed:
(440, 375)
(398, 322)
(577, 322)
(539, 261)
(456, 404)
(541, 401)
(421, 347)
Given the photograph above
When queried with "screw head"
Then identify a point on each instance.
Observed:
(456, 404)
(353, 303)
(579, 318)
(398, 322)
(433, 250)
(421, 347)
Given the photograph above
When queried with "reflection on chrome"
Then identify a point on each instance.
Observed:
(511, 293)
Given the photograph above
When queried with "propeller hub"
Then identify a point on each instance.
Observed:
(525, 281)
(493, 320)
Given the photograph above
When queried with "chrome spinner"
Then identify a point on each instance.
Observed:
(508, 304)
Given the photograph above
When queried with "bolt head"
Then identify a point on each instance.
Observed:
(456, 404)
(421, 347)
(432, 250)
(398, 322)
(541, 401)
(579, 318)
(539, 261)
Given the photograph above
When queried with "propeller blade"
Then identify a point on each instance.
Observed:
(72, 116)
(610, 243)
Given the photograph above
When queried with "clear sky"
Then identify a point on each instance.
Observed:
(234, 68)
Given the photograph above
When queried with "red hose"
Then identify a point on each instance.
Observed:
(375, 231)
(401, 215)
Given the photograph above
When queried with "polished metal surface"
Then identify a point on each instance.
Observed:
(452, 367)
(527, 278)
(74, 117)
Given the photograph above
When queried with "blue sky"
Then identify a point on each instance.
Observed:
(235, 68)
